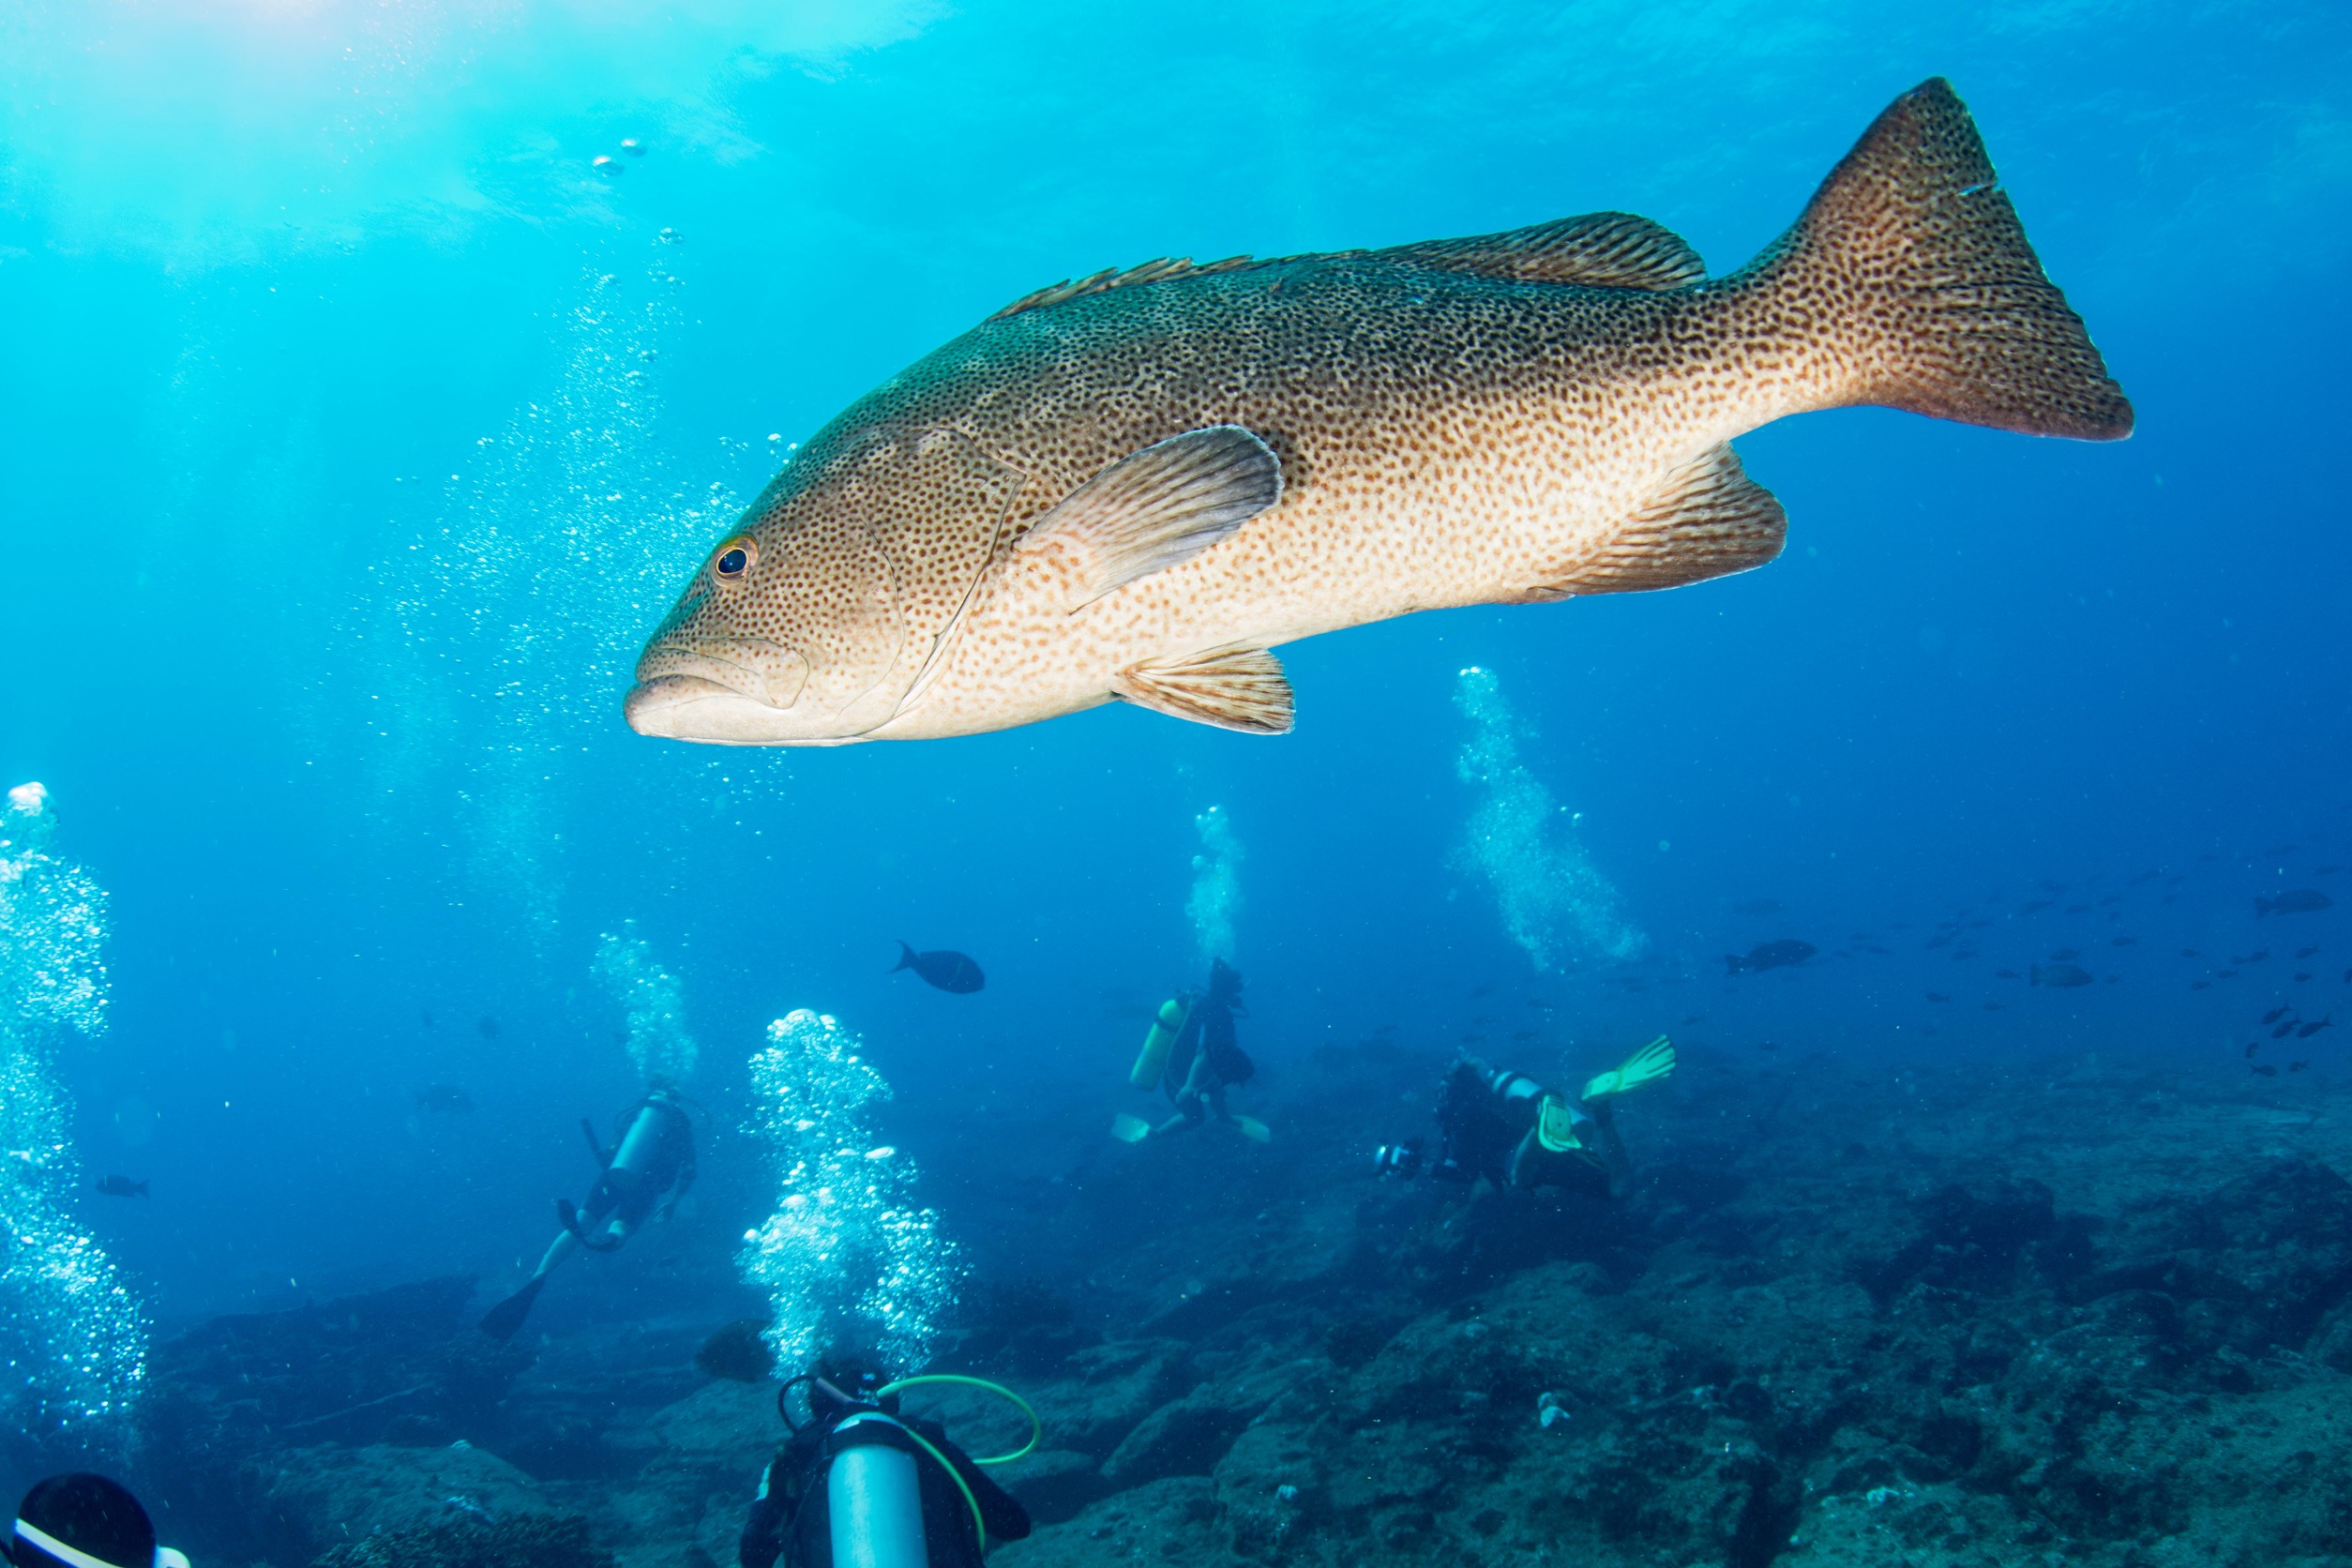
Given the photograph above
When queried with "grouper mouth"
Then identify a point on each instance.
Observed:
(734, 691)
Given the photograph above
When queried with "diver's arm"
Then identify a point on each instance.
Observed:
(1000, 1510)
(762, 1539)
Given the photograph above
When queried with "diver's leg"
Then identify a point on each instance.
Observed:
(565, 1244)
(1602, 1136)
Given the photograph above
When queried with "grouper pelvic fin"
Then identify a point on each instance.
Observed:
(1233, 689)
(1708, 520)
(1156, 508)
(1599, 251)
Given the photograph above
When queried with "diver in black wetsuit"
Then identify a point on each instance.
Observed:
(84, 1521)
(1206, 1059)
(642, 1176)
(1518, 1135)
(900, 1506)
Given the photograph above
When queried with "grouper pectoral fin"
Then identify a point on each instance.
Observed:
(1156, 508)
(1708, 520)
(1233, 689)
(1599, 251)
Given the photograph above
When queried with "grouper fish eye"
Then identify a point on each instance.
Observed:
(1135, 485)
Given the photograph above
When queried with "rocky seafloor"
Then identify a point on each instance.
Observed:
(2069, 1312)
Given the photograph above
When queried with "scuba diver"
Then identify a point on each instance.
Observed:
(643, 1175)
(860, 1485)
(84, 1521)
(1518, 1135)
(1191, 1053)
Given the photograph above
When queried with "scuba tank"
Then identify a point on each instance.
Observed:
(874, 1496)
(1157, 1042)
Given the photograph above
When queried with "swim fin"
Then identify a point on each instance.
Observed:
(1653, 1061)
(1253, 1129)
(501, 1321)
(1129, 1129)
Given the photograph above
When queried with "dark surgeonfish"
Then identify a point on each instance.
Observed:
(1136, 485)
(486, 1027)
(2275, 1014)
(2302, 901)
(121, 1186)
(2316, 1026)
(947, 970)
(2064, 977)
(446, 1098)
(1770, 955)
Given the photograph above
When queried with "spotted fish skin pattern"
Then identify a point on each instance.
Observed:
(1517, 417)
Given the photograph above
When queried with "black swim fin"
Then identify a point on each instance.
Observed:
(501, 1321)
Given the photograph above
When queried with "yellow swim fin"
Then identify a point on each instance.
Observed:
(1129, 1129)
(1253, 1129)
(1652, 1061)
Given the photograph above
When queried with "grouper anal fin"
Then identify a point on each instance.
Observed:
(1708, 520)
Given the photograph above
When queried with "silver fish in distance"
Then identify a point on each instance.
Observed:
(1135, 486)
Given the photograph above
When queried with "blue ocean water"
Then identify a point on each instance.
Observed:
(361, 426)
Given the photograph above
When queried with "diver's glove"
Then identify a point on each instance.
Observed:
(1653, 1061)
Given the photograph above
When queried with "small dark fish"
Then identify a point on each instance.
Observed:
(2275, 1014)
(2200, 985)
(2265, 1069)
(2035, 907)
(424, 1018)
(1524, 1033)
(2254, 957)
(1770, 955)
(2224, 974)
(2297, 1067)
(948, 970)
(1473, 1039)
(2064, 977)
(2316, 1026)
(486, 1027)
(2301, 975)
(2121, 941)
(2078, 908)
(1937, 996)
(446, 1098)
(1758, 906)
(2189, 953)
(121, 1186)
(1695, 1018)
(2284, 1029)
(1994, 1006)
(2251, 1046)
(1941, 939)
(2065, 955)
(2306, 952)
(2302, 901)
(2048, 886)
(2004, 975)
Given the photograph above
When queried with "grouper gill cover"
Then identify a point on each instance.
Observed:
(1619, 835)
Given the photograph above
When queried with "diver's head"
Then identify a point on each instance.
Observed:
(74, 1521)
(1225, 981)
(836, 1386)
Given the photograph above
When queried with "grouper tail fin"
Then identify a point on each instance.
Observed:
(1911, 262)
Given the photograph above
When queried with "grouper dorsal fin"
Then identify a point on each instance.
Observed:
(1599, 251)
(1154, 509)
(1160, 271)
(1233, 689)
(1708, 520)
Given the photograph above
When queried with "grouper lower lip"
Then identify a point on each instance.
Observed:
(690, 708)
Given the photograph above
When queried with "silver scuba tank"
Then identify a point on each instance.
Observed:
(875, 1497)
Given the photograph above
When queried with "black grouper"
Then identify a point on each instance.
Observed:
(1137, 485)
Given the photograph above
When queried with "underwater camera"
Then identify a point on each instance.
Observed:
(1401, 1160)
